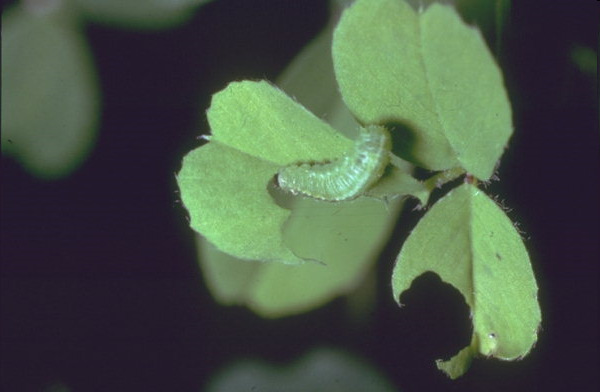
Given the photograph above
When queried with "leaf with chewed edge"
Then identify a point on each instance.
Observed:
(256, 129)
(471, 244)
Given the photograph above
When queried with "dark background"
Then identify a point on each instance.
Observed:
(100, 288)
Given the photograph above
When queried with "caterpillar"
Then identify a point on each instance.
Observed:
(346, 177)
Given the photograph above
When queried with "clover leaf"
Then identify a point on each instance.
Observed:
(329, 232)
(431, 77)
(471, 244)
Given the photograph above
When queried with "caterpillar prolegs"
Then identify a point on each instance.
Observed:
(346, 177)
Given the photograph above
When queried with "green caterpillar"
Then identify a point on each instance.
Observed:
(345, 178)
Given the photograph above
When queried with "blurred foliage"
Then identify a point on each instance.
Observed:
(316, 230)
(136, 14)
(50, 92)
(56, 387)
(321, 370)
(50, 97)
(585, 59)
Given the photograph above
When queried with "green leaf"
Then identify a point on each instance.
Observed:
(333, 233)
(471, 244)
(225, 192)
(256, 129)
(429, 74)
(49, 92)
(260, 120)
(321, 370)
(460, 363)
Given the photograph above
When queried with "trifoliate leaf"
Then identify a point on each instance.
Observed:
(329, 232)
(430, 75)
(471, 244)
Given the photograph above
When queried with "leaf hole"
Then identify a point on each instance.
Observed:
(437, 315)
